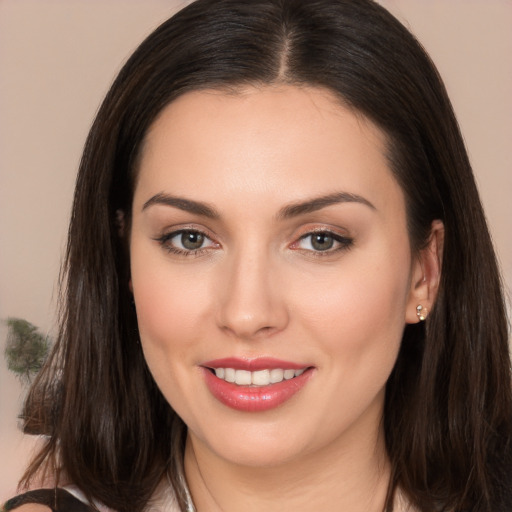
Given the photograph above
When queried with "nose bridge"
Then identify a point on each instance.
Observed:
(251, 303)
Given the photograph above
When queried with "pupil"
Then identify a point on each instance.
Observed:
(191, 240)
(322, 242)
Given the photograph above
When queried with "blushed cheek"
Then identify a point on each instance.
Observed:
(167, 304)
(168, 326)
(165, 314)
(360, 310)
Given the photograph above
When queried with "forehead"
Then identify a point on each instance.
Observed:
(281, 141)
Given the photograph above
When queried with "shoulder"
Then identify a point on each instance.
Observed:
(71, 499)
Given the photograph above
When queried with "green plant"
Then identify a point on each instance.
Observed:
(26, 349)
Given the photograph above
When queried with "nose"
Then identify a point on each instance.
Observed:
(252, 303)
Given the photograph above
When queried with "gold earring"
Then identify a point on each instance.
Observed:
(421, 312)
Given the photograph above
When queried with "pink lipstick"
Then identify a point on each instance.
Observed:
(254, 385)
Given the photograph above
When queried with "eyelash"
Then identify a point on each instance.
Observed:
(344, 243)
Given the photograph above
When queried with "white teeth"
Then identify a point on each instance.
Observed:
(261, 378)
(258, 378)
(243, 378)
(289, 374)
(229, 375)
(276, 375)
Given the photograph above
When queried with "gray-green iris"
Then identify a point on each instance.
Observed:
(192, 240)
(322, 241)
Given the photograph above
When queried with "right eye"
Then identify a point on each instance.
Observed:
(186, 242)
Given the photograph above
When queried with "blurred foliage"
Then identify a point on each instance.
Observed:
(26, 349)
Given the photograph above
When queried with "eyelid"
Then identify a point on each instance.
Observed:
(180, 228)
(322, 228)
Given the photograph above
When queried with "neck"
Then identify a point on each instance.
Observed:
(350, 474)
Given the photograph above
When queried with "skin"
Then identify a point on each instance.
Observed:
(257, 287)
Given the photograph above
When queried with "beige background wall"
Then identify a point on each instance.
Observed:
(57, 59)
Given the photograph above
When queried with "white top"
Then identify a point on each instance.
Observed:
(165, 503)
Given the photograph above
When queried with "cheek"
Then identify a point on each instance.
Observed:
(170, 305)
(170, 312)
(358, 309)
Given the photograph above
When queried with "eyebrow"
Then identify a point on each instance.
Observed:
(317, 203)
(187, 205)
(287, 212)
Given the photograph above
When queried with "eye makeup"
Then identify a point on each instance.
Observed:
(190, 241)
(322, 242)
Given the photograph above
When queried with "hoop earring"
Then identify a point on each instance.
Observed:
(421, 312)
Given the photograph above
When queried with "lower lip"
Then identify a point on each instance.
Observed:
(254, 398)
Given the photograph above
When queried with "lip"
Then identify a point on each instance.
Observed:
(253, 365)
(254, 398)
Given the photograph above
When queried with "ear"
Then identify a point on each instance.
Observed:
(425, 275)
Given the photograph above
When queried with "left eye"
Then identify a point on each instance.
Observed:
(323, 241)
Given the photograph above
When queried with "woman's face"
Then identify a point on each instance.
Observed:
(268, 241)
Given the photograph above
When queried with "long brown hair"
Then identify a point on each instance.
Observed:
(447, 421)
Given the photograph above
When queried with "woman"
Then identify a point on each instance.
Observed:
(281, 292)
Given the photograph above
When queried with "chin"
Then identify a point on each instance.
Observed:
(255, 446)
(259, 456)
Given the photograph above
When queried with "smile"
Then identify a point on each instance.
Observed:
(254, 385)
(257, 378)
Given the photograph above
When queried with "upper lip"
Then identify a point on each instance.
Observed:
(253, 365)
